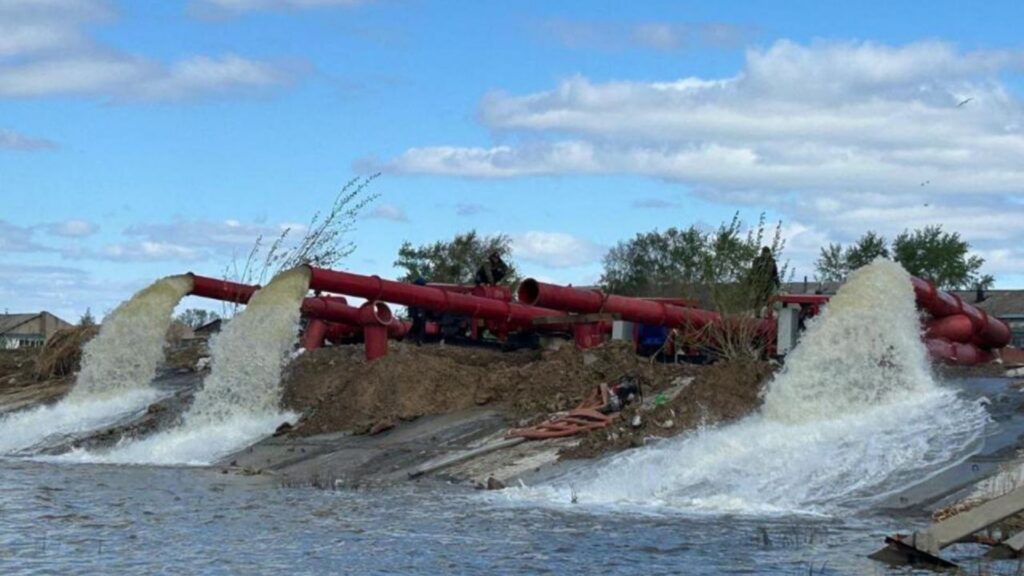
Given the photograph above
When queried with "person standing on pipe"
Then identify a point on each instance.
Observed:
(765, 279)
(492, 271)
(419, 318)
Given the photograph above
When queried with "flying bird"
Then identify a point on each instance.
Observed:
(964, 101)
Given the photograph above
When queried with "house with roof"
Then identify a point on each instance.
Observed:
(28, 330)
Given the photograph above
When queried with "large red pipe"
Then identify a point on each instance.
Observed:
(326, 308)
(223, 290)
(988, 332)
(591, 301)
(957, 352)
(427, 297)
(334, 309)
(955, 328)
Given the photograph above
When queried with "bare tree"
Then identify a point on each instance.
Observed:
(325, 243)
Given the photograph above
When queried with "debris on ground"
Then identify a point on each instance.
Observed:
(19, 386)
(337, 390)
(718, 393)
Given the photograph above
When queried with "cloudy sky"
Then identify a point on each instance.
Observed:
(140, 139)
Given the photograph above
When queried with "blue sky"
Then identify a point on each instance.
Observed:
(148, 138)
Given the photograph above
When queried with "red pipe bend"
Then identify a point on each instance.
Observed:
(989, 332)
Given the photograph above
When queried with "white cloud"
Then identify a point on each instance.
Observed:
(388, 212)
(842, 137)
(555, 249)
(146, 251)
(40, 26)
(45, 50)
(207, 76)
(14, 238)
(73, 228)
(63, 291)
(202, 237)
(181, 240)
(11, 140)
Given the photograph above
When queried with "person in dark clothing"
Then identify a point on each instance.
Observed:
(492, 271)
(419, 318)
(765, 278)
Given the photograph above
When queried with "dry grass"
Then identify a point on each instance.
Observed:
(62, 354)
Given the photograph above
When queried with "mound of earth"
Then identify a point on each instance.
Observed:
(17, 367)
(336, 389)
(20, 385)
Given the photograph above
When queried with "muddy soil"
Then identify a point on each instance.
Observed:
(336, 390)
(20, 385)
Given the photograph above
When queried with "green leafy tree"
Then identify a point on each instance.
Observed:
(942, 257)
(716, 267)
(87, 319)
(832, 264)
(728, 273)
(197, 317)
(656, 263)
(869, 247)
(455, 261)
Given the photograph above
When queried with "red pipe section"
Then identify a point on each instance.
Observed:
(483, 291)
(955, 328)
(592, 301)
(430, 298)
(372, 320)
(987, 332)
(656, 312)
(223, 290)
(375, 317)
(957, 352)
(313, 337)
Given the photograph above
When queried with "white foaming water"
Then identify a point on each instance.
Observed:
(130, 345)
(239, 401)
(44, 425)
(854, 415)
(117, 368)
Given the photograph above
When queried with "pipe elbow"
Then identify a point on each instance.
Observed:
(375, 314)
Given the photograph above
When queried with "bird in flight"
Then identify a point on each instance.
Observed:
(964, 101)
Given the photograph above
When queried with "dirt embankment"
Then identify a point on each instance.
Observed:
(20, 383)
(336, 389)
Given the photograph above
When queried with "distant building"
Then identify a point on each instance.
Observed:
(28, 330)
(209, 329)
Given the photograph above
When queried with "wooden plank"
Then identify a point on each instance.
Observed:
(962, 525)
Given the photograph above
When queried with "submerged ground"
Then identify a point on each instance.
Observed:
(85, 518)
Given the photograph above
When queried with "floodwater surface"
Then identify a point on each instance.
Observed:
(89, 519)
